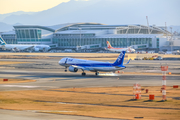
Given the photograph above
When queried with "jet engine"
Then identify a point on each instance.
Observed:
(73, 69)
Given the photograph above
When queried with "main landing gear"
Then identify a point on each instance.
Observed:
(83, 74)
(97, 73)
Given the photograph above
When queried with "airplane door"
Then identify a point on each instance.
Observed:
(66, 60)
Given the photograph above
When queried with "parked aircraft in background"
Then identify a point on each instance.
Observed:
(19, 47)
(93, 66)
(43, 48)
(110, 48)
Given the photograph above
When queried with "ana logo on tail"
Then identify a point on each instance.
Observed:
(120, 59)
(108, 45)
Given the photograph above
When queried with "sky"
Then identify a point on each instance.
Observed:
(8, 6)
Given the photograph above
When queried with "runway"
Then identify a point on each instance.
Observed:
(49, 75)
(49, 80)
(34, 115)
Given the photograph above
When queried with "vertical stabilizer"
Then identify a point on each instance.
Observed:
(108, 45)
(120, 59)
(2, 42)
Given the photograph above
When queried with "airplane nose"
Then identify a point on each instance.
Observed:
(60, 62)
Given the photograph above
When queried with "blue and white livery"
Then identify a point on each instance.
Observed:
(93, 66)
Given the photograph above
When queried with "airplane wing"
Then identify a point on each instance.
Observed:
(83, 68)
(2, 46)
(29, 48)
(128, 62)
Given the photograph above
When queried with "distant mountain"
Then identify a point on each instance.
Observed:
(5, 27)
(3, 16)
(103, 11)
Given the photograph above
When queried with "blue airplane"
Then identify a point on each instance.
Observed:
(93, 66)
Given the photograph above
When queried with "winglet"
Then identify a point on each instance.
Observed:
(128, 61)
(108, 44)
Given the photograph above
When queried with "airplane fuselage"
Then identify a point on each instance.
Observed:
(117, 49)
(25, 47)
(12, 46)
(90, 65)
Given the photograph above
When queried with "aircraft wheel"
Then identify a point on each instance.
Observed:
(65, 70)
(83, 74)
(97, 73)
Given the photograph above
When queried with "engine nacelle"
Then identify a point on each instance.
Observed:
(73, 69)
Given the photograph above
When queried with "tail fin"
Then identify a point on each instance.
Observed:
(120, 59)
(2, 42)
(108, 45)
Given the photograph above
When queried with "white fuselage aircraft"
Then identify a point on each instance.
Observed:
(110, 48)
(17, 47)
(93, 66)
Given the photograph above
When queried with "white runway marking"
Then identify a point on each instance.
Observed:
(21, 86)
(108, 74)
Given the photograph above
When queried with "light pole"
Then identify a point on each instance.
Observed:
(80, 36)
(171, 38)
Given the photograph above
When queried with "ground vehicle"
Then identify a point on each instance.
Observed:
(137, 59)
(159, 58)
(161, 52)
(145, 58)
(151, 58)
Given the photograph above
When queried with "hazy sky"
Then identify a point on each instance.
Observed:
(8, 6)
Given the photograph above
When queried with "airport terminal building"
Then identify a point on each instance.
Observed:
(71, 35)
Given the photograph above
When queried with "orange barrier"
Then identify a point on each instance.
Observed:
(4, 80)
(137, 96)
(151, 97)
(121, 72)
(175, 86)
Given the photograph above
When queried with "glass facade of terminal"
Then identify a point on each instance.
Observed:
(137, 31)
(78, 34)
(33, 40)
(115, 42)
(157, 43)
(30, 36)
(9, 38)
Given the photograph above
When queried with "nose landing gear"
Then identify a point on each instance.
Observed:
(65, 69)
